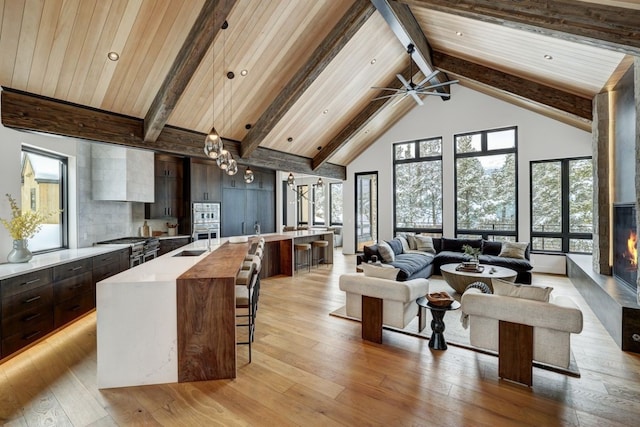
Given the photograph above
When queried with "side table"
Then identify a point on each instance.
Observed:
(437, 341)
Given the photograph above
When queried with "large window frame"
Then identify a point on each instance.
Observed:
(302, 196)
(30, 200)
(318, 204)
(333, 221)
(415, 155)
(484, 150)
(563, 232)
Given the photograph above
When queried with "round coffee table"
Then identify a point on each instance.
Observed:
(459, 280)
(437, 341)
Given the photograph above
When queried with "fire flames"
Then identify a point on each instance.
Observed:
(632, 248)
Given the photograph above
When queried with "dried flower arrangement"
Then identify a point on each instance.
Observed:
(23, 225)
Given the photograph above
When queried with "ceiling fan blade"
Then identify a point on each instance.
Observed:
(388, 88)
(416, 97)
(404, 81)
(397, 101)
(450, 82)
(446, 95)
(429, 77)
(387, 96)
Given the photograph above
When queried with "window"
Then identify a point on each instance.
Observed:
(43, 188)
(486, 190)
(335, 203)
(318, 205)
(366, 209)
(417, 184)
(303, 204)
(562, 205)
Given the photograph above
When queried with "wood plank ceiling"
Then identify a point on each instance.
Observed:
(310, 66)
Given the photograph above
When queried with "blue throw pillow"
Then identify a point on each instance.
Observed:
(396, 245)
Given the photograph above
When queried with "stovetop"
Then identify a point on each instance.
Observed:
(123, 240)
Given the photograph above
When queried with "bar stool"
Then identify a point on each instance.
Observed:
(246, 298)
(317, 247)
(302, 249)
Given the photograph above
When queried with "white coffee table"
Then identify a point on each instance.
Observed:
(459, 280)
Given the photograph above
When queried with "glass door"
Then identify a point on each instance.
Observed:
(366, 209)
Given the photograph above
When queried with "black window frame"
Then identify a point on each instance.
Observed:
(565, 234)
(418, 159)
(314, 203)
(64, 195)
(302, 194)
(484, 151)
(331, 222)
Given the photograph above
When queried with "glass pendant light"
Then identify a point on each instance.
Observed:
(232, 167)
(213, 144)
(248, 175)
(291, 181)
(223, 159)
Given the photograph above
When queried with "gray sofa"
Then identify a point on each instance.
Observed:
(420, 264)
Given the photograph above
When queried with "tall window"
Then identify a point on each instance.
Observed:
(418, 186)
(43, 188)
(335, 203)
(318, 205)
(303, 204)
(562, 205)
(486, 190)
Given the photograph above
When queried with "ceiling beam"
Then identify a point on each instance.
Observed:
(25, 111)
(406, 28)
(198, 41)
(546, 95)
(339, 36)
(604, 26)
(358, 124)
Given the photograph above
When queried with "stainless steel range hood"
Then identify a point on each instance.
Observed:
(122, 174)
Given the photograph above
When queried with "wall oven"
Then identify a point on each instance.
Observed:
(206, 220)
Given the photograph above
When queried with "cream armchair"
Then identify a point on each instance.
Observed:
(522, 330)
(379, 301)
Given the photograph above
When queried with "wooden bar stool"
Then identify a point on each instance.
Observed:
(302, 249)
(319, 246)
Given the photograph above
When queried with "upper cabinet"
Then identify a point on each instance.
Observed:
(169, 195)
(205, 181)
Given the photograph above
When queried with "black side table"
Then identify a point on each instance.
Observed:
(437, 341)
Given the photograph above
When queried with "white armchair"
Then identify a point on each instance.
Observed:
(522, 330)
(379, 301)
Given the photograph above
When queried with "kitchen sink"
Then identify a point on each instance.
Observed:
(196, 252)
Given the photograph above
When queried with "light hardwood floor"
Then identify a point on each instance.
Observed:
(310, 368)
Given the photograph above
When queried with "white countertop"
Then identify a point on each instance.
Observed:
(51, 259)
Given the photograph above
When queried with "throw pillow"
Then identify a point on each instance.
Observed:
(405, 244)
(508, 289)
(396, 246)
(370, 251)
(513, 250)
(491, 248)
(413, 243)
(425, 244)
(380, 271)
(386, 252)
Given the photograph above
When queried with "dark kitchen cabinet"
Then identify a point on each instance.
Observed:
(205, 181)
(169, 194)
(249, 204)
(73, 291)
(168, 245)
(106, 265)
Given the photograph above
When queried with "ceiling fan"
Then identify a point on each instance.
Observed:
(412, 89)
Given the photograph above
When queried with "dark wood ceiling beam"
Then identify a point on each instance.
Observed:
(567, 102)
(198, 41)
(25, 111)
(605, 26)
(358, 124)
(339, 36)
(406, 28)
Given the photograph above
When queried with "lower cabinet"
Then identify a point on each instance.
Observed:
(168, 245)
(39, 302)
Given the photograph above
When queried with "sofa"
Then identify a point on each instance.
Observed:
(427, 254)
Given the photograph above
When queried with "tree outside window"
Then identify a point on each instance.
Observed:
(335, 203)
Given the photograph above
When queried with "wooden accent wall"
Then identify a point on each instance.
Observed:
(206, 316)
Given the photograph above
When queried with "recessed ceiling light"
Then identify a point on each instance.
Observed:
(373, 61)
(244, 73)
(290, 139)
(548, 57)
(459, 33)
(325, 111)
(113, 56)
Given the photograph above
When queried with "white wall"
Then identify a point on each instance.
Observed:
(538, 138)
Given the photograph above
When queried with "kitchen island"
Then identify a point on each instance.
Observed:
(172, 319)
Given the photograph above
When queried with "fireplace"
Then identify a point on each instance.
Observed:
(625, 247)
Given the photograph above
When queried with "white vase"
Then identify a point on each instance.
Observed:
(20, 252)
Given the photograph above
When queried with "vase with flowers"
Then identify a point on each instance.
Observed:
(22, 226)
(474, 253)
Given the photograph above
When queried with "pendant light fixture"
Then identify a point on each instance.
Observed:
(248, 175)
(223, 159)
(232, 167)
(213, 144)
(291, 181)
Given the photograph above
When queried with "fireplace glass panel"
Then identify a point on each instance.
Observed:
(625, 259)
